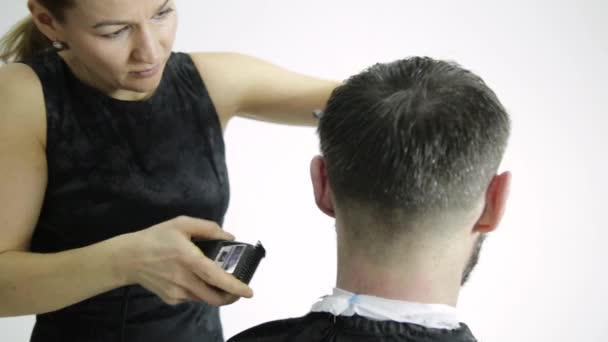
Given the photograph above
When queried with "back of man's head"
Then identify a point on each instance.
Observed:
(415, 140)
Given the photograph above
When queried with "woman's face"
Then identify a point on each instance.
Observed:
(121, 46)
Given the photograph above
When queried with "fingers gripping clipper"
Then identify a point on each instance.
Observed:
(237, 258)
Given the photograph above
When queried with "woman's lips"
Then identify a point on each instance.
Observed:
(146, 73)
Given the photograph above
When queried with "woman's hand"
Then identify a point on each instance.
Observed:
(163, 259)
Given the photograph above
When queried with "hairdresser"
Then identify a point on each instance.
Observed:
(112, 160)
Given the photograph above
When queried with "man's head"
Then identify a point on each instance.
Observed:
(410, 151)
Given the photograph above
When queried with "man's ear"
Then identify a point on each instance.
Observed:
(321, 187)
(496, 200)
(44, 20)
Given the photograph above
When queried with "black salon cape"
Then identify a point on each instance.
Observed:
(324, 327)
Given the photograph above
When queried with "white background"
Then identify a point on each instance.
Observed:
(542, 276)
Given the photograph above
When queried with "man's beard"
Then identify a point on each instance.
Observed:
(473, 259)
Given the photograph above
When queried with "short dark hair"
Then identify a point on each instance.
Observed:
(416, 135)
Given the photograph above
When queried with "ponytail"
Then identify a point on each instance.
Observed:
(22, 41)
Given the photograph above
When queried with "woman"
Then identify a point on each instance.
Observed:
(112, 159)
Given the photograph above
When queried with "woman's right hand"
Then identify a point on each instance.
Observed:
(163, 259)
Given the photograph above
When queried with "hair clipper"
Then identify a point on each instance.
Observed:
(237, 258)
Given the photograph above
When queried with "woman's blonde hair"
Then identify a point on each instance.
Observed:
(25, 39)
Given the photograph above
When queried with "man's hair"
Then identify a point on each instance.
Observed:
(417, 135)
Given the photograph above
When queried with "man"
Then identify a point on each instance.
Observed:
(410, 151)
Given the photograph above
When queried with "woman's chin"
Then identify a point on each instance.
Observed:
(141, 88)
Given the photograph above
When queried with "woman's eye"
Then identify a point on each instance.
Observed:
(116, 34)
(162, 14)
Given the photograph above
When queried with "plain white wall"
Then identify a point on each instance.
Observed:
(542, 275)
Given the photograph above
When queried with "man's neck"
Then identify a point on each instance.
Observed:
(422, 278)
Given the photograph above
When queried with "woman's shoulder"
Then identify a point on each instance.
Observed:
(17, 74)
(227, 77)
(22, 100)
(221, 80)
(19, 79)
(207, 62)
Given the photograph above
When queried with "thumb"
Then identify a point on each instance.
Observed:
(199, 228)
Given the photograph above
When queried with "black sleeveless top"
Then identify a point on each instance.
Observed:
(116, 167)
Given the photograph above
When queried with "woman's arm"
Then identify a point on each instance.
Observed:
(250, 87)
(38, 283)
(33, 283)
(160, 258)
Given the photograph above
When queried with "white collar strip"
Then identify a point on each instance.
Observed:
(344, 303)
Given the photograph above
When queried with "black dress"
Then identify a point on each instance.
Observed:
(324, 327)
(116, 167)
